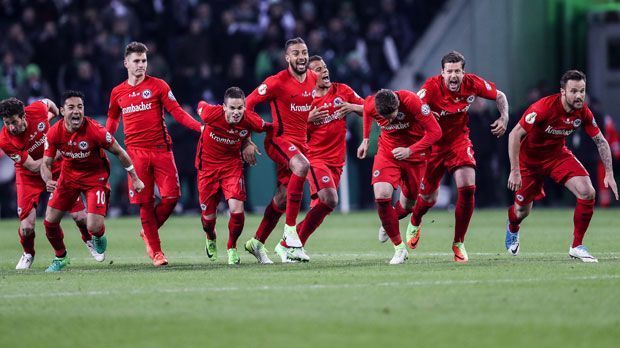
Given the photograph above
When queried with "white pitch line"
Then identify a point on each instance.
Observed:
(304, 287)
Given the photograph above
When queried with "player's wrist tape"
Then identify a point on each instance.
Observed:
(130, 168)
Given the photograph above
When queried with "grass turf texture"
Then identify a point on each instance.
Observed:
(346, 296)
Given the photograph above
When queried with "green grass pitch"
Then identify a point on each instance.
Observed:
(347, 296)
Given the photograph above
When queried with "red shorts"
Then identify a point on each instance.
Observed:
(445, 159)
(406, 174)
(323, 176)
(226, 179)
(560, 169)
(29, 190)
(153, 168)
(281, 151)
(97, 198)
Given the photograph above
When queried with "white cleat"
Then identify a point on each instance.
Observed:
(298, 254)
(256, 248)
(98, 257)
(383, 236)
(291, 238)
(400, 254)
(25, 262)
(581, 252)
(283, 252)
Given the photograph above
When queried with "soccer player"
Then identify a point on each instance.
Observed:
(85, 170)
(22, 140)
(219, 165)
(537, 149)
(449, 96)
(408, 130)
(141, 100)
(327, 130)
(289, 93)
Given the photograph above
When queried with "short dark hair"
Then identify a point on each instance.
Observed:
(135, 47)
(314, 58)
(70, 94)
(574, 75)
(386, 102)
(453, 57)
(293, 41)
(11, 107)
(233, 92)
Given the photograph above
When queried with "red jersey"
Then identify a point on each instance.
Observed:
(142, 108)
(452, 106)
(326, 137)
(220, 142)
(30, 142)
(290, 102)
(414, 127)
(547, 125)
(84, 161)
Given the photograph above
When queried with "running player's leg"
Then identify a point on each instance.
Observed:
(167, 180)
(324, 187)
(28, 194)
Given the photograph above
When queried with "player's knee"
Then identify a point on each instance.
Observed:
(27, 231)
(586, 193)
(300, 166)
(236, 209)
(432, 198)
(95, 226)
(329, 199)
(80, 221)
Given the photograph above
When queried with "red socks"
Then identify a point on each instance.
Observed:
(513, 220)
(164, 209)
(209, 227)
(465, 202)
(400, 211)
(54, 234)
(27, 242)
(235, 226)
(583, 214)
(270, 220)
(421, 207)
(81, 225)
(313, 219)
(294, 192)
(389, 219)
(98, 233)
(149, 225)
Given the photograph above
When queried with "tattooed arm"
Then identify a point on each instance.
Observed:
(498, 128)
(605, 153)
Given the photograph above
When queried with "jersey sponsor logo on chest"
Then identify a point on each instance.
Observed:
(396, 126)
(223, 140)
(300, 108)
(554, 131)
(135, 108)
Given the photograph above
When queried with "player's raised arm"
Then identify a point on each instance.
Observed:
(514, 146)
(172, 106)
(498, 128)
(52, 109)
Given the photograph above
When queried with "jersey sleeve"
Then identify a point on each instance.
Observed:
(38, 108)
(422, 115)
(102, 137)
(483, 88)
(18, 155)
(51, 140)
(427, 91)
(351, 96)
(367, 116)
(114, 114)
(532, 116)
(208, 113)
(264, 92)
(170, 103)
(590, 125)
(254, 121)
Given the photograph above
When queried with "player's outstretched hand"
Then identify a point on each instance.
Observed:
(318, 113)
(362, 150)
(514, 180)
(344, 109)
(498, 128)
(610, 182)
(249, 154)
(50, 185)
(401, 153)
(138, 185)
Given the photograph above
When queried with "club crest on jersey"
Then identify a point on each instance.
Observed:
(83, 145)
(376, 173)
(577, 123)
(530, 118)
(325, 178)
(19, 209)
(262, 89)
(292, 148)
(146, 93)
(41, 126)
(171, 96)
(203, 207)
(426, 109)
(131, 193)
(243, 133)
(338, 101)
(108, 137)
(313, 93)
(15, 157)
(471, 99)
(400, 116)
(519, 198)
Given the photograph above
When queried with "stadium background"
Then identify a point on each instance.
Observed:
(202, 47)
